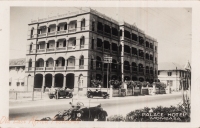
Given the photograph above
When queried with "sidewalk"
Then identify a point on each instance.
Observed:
(85, 100)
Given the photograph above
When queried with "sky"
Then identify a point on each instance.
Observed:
(172, 27)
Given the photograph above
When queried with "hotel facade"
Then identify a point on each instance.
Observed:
(68, 51)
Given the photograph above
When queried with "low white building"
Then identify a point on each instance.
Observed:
(173, 75)
(17, 74)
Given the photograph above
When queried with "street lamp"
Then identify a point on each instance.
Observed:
(107, 60)
(27, 81)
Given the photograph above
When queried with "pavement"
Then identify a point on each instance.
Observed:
(96, 100)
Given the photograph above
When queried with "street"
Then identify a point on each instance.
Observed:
(117, 105)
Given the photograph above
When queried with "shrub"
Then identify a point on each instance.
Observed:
(115, 83)
(96, 83)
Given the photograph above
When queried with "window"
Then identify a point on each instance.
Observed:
(81, 61)
(83, 24)
(93, 25)
(155, 48)
(10, 83)
(22, 83)
(18, 83)
(158, 72)
(82, 41)
(169, 73)
(91, 63)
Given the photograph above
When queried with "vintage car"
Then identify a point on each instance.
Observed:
(97, 93)
(60, 92)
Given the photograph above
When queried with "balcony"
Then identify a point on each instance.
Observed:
(50, 49)
(72, 30)
(81, 67)
(62, 32)
(70, 67)
(42, 35)
(49, 68)
(127, 54)
(51, 33)
(40, 50)
(60, 68)
(82, 28)
(115, 37)
(60, 49)
(127, 39)
(39, 68)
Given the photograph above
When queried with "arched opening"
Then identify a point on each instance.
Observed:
(107, 29)
(93, 25)
(100, 26)
(126, 66)
(50, 62)
(127, 34)
(127, 49)
(38, 81)
(98, 63)
(127, 78)
(82, 42)
(114, 65)
(99, 77)
(31, 35)
(134, 51)
(151, 57)
(114, 47)
(40, 63)
(83, 24)
(134, 78)
(99, 43)
(60, 62)
(59, 80)
(147, 56)
(31, 47)
(70, 80)
(134, 67)
(141, 40)
(81, 61)
(114, 31)
(71, 61)
(41, 46)
(141, 53)
(141, 69)
(30, 63)
(48, 80)
(141, 79)
(134, 37)
(72, 43)
(80, 82)
(106, 45)
(50, 45)
(147, 69)
(52, 28)
(151, 45)
(120, 32)
(72, 26)
(62, 26)
(61, 43)
(147, 44)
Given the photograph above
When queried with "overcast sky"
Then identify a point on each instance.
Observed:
(170, 26)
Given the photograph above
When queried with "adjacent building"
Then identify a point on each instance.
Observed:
(17, 74)
(68, 51)
(173, 75)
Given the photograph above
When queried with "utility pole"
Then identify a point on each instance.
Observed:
(107, 60)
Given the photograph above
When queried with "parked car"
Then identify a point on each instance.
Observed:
(97, 93)
(60, 92)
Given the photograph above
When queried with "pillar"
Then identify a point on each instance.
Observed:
(53, 81)
(43, 83)
(64, 82)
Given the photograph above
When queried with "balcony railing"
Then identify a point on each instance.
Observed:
(39, 68)
(70, 67)
(50, 49)
(29, 68)
(71, 47)
(81, 67)
(72, 30)
(42, 35)
(107, 34)
(127, 54)
(40, 50)
(99, 48)
(59, 49)
(82, 28)
(128, 39)
(115, 37)
(106, 50)
(62, 32)
(49, 68)
(60, 68)
(126, 71)
(51, 33)
(114, 52)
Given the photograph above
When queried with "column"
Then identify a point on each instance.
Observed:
(64, 82)
(43, 84)
(44, 65)
(53, 81)
(54, 64)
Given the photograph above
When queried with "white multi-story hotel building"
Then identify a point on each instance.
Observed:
(68, 51)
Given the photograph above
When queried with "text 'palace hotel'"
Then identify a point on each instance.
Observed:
(68, 51)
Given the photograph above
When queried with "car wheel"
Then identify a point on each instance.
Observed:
(104, 97)
(91, 96)
(50, 97)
